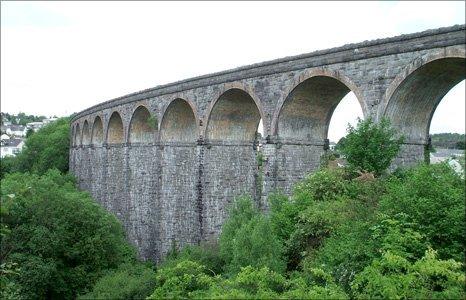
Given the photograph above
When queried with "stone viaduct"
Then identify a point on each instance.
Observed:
(168, 160)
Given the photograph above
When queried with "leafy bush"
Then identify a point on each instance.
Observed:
(60, 238)
(7, 165)
(394, 277)
(323, 185)
(206, 254)
(432, 196)
(370, 147)
(182, 280)
(247, 238)
(129, 281)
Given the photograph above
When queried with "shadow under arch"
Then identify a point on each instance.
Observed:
(115, 132)
(86, 137)
(97, 134)
(233, 116)
(142, 126)
(412, 98)
(305, 113)
(179, 122)
(77, 136)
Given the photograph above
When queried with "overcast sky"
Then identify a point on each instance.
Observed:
(62, 57)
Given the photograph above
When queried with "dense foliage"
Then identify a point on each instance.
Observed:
(370, 146)
(60, 239)
(396, 236)
(246, 240)
(129, 281)
(45, 149)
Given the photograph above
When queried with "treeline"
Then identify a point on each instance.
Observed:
(350, 233)
(20, 119)
(45, 149)
(448, 140)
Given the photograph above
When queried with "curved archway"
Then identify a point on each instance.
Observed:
(306, 112)
(412, 103)
(235, 116)
(97, 136)
(142, 126)
(178, 122)
(86, 134)
(77, 136)
(115, 133)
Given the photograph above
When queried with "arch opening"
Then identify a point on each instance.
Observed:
(414, 101)
(234, 117)
(97, 136)
(86, 134)
(115, 133)
(347, 112)
(308, 109)
(77, 136)
(142, 127)
(178, 123)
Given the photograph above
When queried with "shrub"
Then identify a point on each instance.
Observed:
(206, 254)
(370, 147)
(432, 196)
(247, 238)
(182, 280)
(323, 185)
(60, 238)
(394, 277)
(129, 281)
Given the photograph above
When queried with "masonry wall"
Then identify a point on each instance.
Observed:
(179, 220)
(144, 209)
(229, 171)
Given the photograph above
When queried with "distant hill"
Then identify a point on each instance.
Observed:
(448, 140)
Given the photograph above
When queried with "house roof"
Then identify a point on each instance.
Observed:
(16, 127)
(11, 142)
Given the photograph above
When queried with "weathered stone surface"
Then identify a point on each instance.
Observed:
(168, 160)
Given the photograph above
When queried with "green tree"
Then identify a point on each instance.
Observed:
(61, 239)
(47, 148)
(431, 196)
(182, 280)
(395, 277)
(370, 147)
(247, 238)
(129, 281)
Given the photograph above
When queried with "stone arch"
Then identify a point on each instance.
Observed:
(86, 136)
(97, 135)
(234, 116)
(115, 131)
(179, 122)
(77, 135)
(413, 96)
(305, 113)
(142, 126)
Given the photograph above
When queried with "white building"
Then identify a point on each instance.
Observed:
(16, 130)
(11, 147)
(34, 125)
